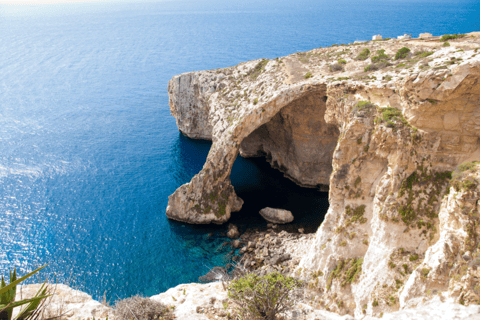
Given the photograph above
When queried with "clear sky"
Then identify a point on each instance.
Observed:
(33, 2)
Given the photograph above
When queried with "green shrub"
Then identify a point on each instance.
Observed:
(459, 180)
(262, 296)
(446, 37)
(402, 53)
(423, 54)
(255, 101)
(446, 44)
(363, 55)
(342, 61)
(140, 308)
(308, 75)
(366, 106)
(380, 56)
(33, 307)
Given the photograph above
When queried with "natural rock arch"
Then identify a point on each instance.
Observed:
(290, 129)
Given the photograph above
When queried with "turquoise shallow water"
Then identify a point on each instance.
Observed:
(90, 153)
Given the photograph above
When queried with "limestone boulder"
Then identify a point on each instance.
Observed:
(279, 216)
(233, 232)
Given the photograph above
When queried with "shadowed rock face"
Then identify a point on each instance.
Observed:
(297, 141)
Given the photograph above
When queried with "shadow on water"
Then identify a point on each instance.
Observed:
(258, 184)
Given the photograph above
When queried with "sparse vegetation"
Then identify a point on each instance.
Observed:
(402, 53)
(262, 297)
(362, 107)
(308, 75)
(259, 68)
(141, 308)
(347, 271)
(363, 55)
(446, 37)
(355, 215)
(460, 181)
(423, 54)
(381, 56)
(446, 44)
(391, 116)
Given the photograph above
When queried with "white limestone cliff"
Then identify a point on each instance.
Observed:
(384, 135)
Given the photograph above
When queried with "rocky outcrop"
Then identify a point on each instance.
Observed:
(66, 303)
(385, 135)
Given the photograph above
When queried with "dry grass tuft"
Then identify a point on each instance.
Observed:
(140, 308)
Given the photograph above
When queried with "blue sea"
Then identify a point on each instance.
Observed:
(89, 152)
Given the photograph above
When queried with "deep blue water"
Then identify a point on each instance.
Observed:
(89, 152)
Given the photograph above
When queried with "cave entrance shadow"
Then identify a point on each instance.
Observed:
(260, 186)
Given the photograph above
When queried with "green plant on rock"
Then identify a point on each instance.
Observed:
(446, 37)
(402, 53)
(391, 116)
(347, 271)
(423, 54)
(308, 75)
(380, 56)
(355, 214)
(262, 296)
(363, 107)
(258, 69)
(32, 307)
(460, 181)
(363, 55)
(424, 177)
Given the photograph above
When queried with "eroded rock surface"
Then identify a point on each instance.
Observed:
(385, 135)
(67, 303)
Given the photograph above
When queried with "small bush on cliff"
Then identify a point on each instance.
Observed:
(446, 37)
(140, 308)
(262, 297)
(380, 56)
(308, 75)
(363, 55)
(402, 53)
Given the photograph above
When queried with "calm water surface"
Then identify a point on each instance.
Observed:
(90, 153)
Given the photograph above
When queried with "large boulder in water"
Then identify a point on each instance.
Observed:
(279, 216)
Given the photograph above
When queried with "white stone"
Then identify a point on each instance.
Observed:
(279, 216)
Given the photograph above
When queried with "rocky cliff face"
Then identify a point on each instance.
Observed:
(388, 130)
